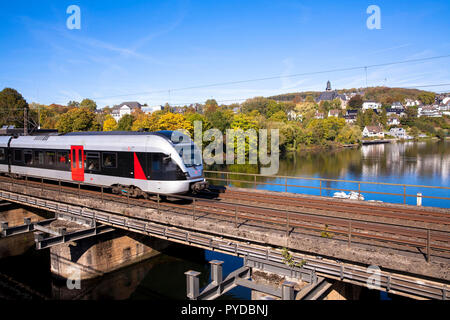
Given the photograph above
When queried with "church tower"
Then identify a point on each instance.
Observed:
(328, 86)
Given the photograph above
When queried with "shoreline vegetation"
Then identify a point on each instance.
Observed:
(304, 123)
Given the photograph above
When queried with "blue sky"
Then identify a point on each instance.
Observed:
(134, 46)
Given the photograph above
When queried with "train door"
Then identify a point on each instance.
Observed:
(77, 159)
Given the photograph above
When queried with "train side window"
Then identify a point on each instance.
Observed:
(50, 158)
(39, 157)
(18, 155)
(62, 158)
(92, 161)
(109, 159)
(28, 157)
(2, 154)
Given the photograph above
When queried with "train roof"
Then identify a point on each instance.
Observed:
(4, 141)
(102, 141)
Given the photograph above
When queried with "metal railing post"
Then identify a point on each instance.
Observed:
(216, 271)
(59, 185)
(320, 187)
(193, 216)
(102, 193)
(419, 199)
(158, 202)
(79, 190)
(42, 186)
(287, 223)
(285, 184)
(192, 284)
(255, 181)
(404, 194)
(428, 245)
(287, 291)
(349, 233)
(235, 217)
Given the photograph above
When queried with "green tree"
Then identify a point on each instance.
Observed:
(12, 106)
(426, 97)
(73, 104)
(125, 123)
(355, 102)
(109, 124)
(80, 119)
(89, 104)
(220, 119)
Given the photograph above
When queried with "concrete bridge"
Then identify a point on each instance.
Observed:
(294, 246)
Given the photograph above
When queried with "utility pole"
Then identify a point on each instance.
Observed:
(25, 121)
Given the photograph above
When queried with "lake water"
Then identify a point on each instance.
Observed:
(162, 277)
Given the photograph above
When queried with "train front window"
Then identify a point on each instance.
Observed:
(190, 155)
(2, 154)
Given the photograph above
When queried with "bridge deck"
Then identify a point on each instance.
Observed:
(394, 247)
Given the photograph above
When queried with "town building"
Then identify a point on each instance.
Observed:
(393, 120)
(318, 115)
(373, 132)
(151, 109)
(429, 111)
(399, 133)
(330, 95)
(397, 105)
(124, 108)
(411, 103)
(333, 113)
(371, 105)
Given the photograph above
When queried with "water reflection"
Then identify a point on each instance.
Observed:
(416, 163)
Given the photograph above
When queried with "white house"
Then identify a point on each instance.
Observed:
(399, 133)
(371, 105)
(411, 103)
(293, 115)
(318, 115)
(393, 121)
(151, 109)
(429, 111)
(333, 113)
(373, 132)
(397, 105)
(446, 100)
(124, 108)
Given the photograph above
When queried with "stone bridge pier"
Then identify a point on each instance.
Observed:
(12, 215)
(92, 257)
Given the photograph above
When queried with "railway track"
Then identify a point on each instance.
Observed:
(326, 205)
(401, 237)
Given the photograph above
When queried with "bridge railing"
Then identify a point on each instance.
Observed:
(395, 192)
(431, 241)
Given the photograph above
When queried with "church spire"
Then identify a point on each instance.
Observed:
(328, 86)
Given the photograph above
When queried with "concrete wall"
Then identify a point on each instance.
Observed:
(92, 257)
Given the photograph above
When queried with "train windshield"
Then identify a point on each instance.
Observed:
(191, 155)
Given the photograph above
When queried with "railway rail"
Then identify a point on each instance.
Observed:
(419, 240)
